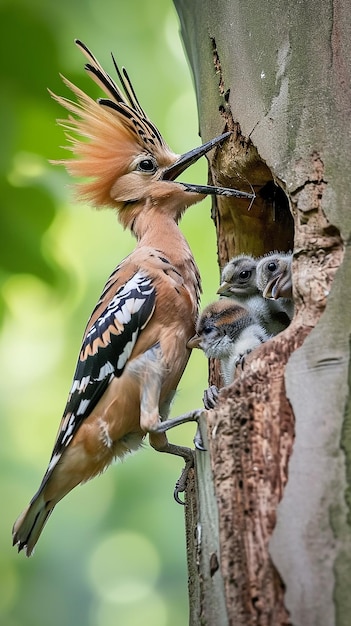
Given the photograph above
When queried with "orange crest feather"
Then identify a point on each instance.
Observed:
(105, 155)
(107, 134)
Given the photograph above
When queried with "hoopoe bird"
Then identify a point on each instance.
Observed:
(226, 331)
(239, 281)
(134, 348)
(274, 280)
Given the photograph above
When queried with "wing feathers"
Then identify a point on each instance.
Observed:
(107, 346)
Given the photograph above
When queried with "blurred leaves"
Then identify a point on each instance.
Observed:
(27, 209)
(23, 226)
(54, 260)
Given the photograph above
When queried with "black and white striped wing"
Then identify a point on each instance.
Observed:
(105, 351)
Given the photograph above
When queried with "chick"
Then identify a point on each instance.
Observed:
(239, 281)
(274, 280)
(226, 331)
(239, 278)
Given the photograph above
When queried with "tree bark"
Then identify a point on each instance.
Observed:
(274, 513)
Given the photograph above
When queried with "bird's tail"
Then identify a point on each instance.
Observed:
(28, 527)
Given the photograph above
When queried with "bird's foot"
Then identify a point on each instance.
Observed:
(210, 398)
(182, 480)
(240, 359)
(198, 441)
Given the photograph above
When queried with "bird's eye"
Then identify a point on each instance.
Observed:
(272, 266)
(148, 166)
(245, 274)
(207, 330)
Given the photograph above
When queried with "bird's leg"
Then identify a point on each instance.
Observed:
(151, 415)
(192, 416)
(160, 443)
(150, 391)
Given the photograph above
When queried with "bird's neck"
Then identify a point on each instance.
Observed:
(161, 233)
(156, 229)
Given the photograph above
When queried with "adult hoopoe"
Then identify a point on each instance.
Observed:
(134, 348)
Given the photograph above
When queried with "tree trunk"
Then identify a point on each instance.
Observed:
(269, 538)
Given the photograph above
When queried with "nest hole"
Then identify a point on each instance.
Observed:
(257, 228)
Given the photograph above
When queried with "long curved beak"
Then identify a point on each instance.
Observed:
(173, 171)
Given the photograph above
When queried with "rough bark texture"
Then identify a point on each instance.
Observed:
(278, 75)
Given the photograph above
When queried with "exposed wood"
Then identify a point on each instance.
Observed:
(250, 433)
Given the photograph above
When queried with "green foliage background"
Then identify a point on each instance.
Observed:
(114, 550)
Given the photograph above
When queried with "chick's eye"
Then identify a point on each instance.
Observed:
(245, 274)
(207, 330)
(272, 266)
(147, 165)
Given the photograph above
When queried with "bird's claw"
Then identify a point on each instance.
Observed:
(175, 494)
(210, 398)
(241, 358)
(182, 480)
(198, 441)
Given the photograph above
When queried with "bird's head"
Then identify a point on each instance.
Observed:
(121, 153)
(218, 325)
(274, 276)
(238, 277)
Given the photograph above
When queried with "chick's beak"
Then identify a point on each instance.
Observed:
(194, 342)
(224, 289)
(272, 291)
(173, 171)
(283, 287)
(280, 286)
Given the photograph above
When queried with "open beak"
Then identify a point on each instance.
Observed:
(282, 287)
(279, 287)
(269, 289)
(194, 342)
(173, 171)
(272, 290)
